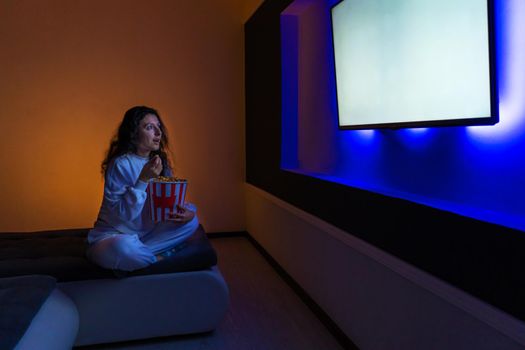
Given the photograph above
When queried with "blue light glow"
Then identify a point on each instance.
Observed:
(417, 139)
(367, 135)
(510, 38)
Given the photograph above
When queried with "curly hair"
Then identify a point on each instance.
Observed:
(125, 139)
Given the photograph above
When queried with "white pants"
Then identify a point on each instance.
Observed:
(130, 252)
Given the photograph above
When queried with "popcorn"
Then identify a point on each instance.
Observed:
(168, 179)
(165, 193)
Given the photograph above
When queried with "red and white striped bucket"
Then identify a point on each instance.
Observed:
(164, 198)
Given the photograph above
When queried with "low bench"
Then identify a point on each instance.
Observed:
(182, 294)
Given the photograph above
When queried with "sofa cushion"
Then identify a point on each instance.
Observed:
(62, 254)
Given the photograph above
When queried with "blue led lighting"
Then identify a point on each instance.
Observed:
(477, 172)
(510, 39)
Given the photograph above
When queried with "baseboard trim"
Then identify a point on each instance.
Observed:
(213, 235)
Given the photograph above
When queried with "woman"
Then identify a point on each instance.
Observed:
(124, 236)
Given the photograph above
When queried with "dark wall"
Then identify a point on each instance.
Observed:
(486, 260)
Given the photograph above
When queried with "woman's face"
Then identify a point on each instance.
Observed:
(149, 135)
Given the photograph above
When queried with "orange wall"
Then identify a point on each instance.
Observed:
(70, 69)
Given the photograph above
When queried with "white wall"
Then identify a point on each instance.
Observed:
(379, 301)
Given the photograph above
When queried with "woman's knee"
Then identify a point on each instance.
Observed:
(121, 252)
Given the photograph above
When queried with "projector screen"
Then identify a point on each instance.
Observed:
(414, 63)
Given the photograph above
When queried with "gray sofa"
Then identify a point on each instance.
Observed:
(182, 294)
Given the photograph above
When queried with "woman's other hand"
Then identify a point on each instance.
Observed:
(182, 215)
(151, 169)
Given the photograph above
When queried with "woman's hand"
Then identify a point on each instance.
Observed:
(182, 215)
(151, 169)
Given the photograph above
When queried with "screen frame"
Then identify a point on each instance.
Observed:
(494, 98)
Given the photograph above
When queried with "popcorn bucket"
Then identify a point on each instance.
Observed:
(164, 197)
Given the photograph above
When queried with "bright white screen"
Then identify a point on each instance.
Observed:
(401, 61)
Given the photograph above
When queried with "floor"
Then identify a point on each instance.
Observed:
(264, 312)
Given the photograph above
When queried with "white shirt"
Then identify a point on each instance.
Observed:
(125, 207)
